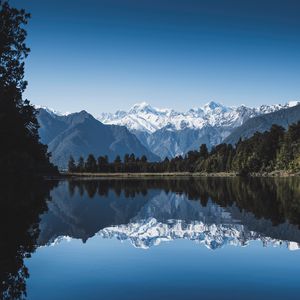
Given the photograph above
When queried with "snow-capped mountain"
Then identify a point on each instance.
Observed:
(51, 111)
(150, 219)
(147, 233)
(79, 134)
(167, 132)
(144, 117)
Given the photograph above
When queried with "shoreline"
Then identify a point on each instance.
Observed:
(279, 174)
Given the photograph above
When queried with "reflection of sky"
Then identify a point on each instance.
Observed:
(108, 269)
(148, 220)
(104, 55)
(178, 267)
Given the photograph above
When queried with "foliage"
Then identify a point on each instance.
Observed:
(272, 150)
(20, 151)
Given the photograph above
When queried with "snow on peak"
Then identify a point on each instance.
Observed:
(51, 110)
(150, 232)
(140, 107)
(146, 118)
(293, 103)
(212, 106)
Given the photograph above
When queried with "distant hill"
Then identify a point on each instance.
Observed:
(81, 134)
(283, 117)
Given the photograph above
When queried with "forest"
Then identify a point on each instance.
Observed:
(274, 150)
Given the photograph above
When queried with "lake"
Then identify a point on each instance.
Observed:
(188, 238)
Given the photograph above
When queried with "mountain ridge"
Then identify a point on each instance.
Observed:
(262, 123)
(80, 134)
(169, 133)
(144, 117)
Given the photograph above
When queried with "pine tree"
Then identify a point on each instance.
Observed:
(20, 151)
(117, 159)
(117, 164)
(71, 164)
(143, 159)
(203, 151)
(80, 165)
(91, 164)
(126, 158)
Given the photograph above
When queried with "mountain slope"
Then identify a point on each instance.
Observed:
(148, 219)
(262, 123)
(169, 143)
(167, 132)
(81, 134)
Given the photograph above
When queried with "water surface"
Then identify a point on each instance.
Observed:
(152, 239)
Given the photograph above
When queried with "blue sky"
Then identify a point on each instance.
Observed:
(105, 55)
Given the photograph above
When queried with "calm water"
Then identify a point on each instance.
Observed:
(151, 239)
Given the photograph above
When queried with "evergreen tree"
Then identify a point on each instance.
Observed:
(126, 158)
(203, 151)
(80, 165)
(132, 158)
(102, 164)
(91, 164)
(71, 164)
(20, 151)
(117, 164)
(117, 159)
(143, 159)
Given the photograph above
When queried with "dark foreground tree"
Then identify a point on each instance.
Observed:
(20, 151)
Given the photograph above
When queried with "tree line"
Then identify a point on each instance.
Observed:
(275, 199)
(276, 149)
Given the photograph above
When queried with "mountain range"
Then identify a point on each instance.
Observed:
(149, 219)
(283, 117)
(157, 133)
(80, 134)
(168, 133)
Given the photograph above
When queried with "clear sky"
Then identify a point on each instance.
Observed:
(105, 55)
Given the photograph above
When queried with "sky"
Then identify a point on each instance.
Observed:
(107, 55)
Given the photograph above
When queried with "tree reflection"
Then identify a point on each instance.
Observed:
(21, 203)
(275, 199)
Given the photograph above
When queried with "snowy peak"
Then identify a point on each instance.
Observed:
(215, 107)
(293, 103)
(51, 111)
(145, 118)
(142, 107)
(147, 233)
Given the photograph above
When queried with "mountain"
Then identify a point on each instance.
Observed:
(167, 142)
(154, 217)
(262, 123)
(81, 134)
(147, 233)
(167, 132)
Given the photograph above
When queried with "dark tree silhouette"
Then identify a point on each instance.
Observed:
(203, 151)
(91, 164)
(20, 151)
(269, 151)
(19, 213)
(71, 164)
(80, 166)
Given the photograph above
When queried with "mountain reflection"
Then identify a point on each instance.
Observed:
(212, 211)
